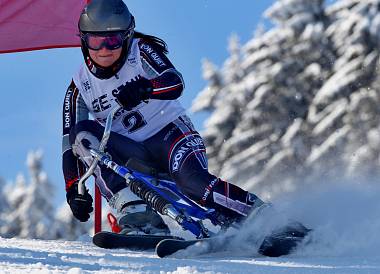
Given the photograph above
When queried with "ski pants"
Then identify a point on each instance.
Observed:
(177, 149)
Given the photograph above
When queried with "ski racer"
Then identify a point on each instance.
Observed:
(123, 67)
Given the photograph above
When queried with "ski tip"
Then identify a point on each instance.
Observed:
(283, 242)
(168, 247)
(163, 248)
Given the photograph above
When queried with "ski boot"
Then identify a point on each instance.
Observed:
(136, 217)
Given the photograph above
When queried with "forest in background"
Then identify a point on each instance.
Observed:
(298, 104)
(294, 106)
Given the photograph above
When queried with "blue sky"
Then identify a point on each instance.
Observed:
(33, 84)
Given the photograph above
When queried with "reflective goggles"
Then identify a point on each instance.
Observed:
(110, 41)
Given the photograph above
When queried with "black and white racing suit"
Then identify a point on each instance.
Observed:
(157, 130)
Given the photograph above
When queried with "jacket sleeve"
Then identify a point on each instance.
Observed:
(167, 82)
(74, 110)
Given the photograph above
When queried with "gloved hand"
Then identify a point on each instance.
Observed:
(81, 205)
(133, 93)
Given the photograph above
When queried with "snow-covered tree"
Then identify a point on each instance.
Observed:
(31, 213)
(300, 103)
(15, 194)
(67, 227)
(29, 209)
(224, 100)
(4, 206)
(37, 209)
(344, 113)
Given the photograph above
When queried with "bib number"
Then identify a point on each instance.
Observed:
(133, 121)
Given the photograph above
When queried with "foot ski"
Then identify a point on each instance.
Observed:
(105, 239)
(169, 246)
(283, 241)
(279, 243)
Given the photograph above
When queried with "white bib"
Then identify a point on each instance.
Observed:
(141, 122)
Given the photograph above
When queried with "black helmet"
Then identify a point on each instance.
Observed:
(105, 16)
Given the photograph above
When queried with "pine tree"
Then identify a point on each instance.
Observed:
(273, 90)
(304, 102)
(4, 206)
(37, 209)
(31, 213)
(344, 112)
(224, 100)
(15, 194)
(67, 226)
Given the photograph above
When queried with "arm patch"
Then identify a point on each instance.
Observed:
(155, 58)
(72, 167)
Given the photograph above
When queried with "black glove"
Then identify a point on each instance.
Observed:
(81, 205)
(133, 93)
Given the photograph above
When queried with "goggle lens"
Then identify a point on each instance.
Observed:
(109, 41)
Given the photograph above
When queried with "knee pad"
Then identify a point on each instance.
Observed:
(85, 140)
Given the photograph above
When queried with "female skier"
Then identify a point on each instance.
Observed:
(123, 67)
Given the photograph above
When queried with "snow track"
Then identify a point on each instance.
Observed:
(52, 257)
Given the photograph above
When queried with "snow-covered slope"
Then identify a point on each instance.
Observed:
(52, 257)
(346, 239)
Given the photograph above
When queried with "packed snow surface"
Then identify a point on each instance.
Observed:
(48, 257)
(345, 219)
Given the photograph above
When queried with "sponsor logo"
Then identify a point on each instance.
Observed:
(178, 157)
(184, 149)
(101, 103)
(86, 86)
(67, 118)
(208, 189)
(132, 61)
(156, 58)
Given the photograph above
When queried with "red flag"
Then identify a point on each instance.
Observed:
(39, 24)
